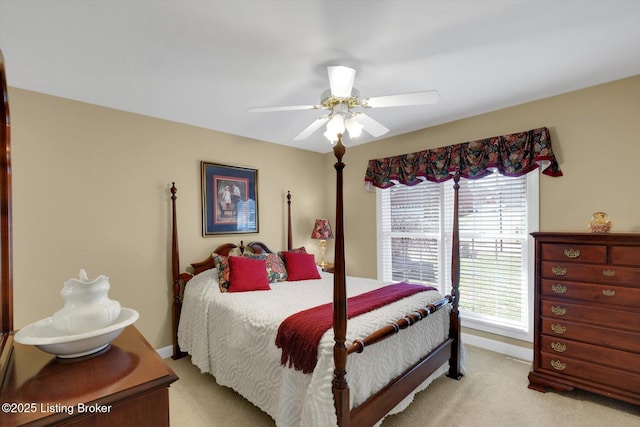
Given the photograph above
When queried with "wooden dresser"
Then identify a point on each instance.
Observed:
(587, 313)
(126, 385)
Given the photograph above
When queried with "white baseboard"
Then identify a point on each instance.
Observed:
(510, 350)
(165, 352)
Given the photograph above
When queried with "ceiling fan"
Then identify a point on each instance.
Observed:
(345, 108)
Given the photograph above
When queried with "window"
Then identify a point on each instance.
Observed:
(497, 213)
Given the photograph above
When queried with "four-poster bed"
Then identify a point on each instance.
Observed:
(352, 380)
(434, 312)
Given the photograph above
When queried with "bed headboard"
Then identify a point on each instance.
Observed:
(179, 279)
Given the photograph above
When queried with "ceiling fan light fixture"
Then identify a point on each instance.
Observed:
(353, 127)
(345, 107)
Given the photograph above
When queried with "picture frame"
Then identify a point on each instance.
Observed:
(229, 199)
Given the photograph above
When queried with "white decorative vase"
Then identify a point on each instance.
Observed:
(87, 306)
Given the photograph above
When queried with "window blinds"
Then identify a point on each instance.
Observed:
(415, 240)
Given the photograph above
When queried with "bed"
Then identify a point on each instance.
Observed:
(355, 378)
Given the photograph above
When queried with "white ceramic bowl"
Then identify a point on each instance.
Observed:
(47, 338)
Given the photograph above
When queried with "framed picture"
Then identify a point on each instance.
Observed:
(229, 199)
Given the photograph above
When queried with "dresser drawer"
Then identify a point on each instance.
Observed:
(570, 252)
(580, 369)
(591, 353)
(625, 255)
(598, 335)
(591, 273)
(627, 320)
(606, 294)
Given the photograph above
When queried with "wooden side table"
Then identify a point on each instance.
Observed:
(124, 385)
(328, 268)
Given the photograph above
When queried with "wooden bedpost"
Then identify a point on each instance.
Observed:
(289, 235)
(340, 387)
(454, 331)
(175, 273)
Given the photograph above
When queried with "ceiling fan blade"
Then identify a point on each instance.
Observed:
(370, 125)
(414, 98)
(285, 108)
(341, 80)
(314, 126)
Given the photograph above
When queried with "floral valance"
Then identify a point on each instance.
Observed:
(512, 155)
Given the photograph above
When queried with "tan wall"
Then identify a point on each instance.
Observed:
(91, 189)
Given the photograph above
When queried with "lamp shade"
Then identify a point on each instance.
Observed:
(322, 230)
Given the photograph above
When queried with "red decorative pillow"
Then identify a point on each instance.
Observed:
(300, 266)
(247, 274)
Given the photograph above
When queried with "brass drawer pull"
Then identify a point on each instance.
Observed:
(558, 329)
(559, 311)
(559, 271)
(558, 288)
(558, 365)
(572, 253)
(609, 273)
(558, 347)
(608, 292)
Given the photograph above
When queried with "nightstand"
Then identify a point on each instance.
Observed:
(328, 268)
(125, 385)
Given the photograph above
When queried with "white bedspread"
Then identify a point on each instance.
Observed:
(232, 336)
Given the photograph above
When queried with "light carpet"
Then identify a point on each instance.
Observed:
(493, 393)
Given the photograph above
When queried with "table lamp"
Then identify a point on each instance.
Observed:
(322, 231)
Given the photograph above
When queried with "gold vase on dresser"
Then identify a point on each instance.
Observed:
(587, 314)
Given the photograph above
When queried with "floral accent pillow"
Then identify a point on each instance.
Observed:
(275, 267)
(222, 265)
(300, 250)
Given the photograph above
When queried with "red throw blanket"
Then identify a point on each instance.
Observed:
(299, 334)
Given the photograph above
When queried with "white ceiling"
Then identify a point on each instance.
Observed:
(204, 63)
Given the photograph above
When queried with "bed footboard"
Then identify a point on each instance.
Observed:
(378, 405)
(409, 320)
